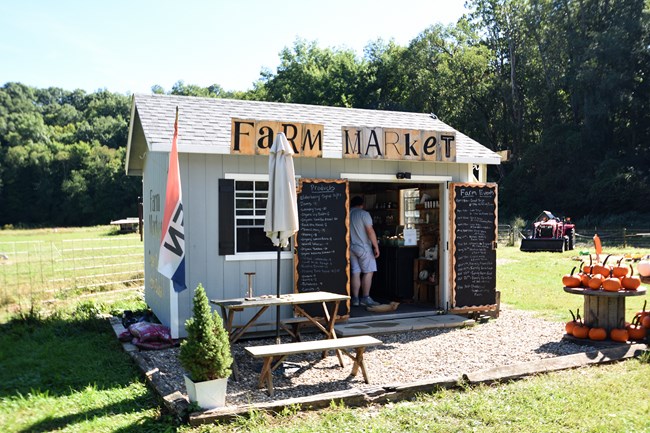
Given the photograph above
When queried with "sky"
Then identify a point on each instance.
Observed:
(127, 46)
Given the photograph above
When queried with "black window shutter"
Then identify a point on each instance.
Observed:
(226, 217)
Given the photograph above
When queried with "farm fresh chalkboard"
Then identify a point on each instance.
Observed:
(474, 236)
(322, 241)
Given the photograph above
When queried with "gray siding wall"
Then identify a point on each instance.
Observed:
(154, 182)
(223, 278)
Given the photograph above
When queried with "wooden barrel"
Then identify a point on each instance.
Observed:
(604, 311)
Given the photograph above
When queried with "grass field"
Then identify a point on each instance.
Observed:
(50, 266)
(58, 234)
(533, 281)
(64, 371)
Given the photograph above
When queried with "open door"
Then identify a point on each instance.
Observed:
(473, 215)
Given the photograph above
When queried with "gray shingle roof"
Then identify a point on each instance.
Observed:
(205, 123)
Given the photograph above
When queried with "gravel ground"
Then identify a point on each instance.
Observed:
(515, 337)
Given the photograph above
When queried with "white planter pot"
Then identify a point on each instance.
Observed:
(209, 394)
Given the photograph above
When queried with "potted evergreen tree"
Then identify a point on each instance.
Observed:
(205, 354)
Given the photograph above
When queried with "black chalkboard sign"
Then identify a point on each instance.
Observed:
(322, 241)
(474, 236)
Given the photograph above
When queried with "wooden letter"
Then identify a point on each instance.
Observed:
(242, 137)
(312, 141)
(351, 149)
(447, 146)
(265, 136)
(429, 146)
(372, 143)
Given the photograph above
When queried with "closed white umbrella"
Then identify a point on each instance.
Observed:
(281, 220)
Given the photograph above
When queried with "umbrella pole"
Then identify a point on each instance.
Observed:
(277, 308)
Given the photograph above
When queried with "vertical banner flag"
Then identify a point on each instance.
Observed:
(171, 259)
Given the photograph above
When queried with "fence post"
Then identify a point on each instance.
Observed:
(624, 237)
(18, 289)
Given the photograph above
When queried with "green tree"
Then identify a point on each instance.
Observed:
(384, 84)
(62, 157)
(311, 75)
(205, 353)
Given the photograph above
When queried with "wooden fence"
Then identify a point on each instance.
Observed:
(43, 271)
(626, 237)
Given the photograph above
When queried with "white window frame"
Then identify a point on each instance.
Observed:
(263, 255)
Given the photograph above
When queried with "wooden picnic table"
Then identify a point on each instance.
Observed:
(229, 307)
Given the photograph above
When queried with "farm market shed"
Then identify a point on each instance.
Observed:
(423, 182)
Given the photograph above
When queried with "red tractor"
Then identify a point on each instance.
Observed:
(550, 233)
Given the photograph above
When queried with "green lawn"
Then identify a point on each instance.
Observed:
(66, 372)
(59, 233)
(533, 281)
(584, 400)
(46, 266)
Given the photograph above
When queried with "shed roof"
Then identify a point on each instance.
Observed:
(204, 125)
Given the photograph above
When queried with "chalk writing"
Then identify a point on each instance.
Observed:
(474, 240)
(321, 243)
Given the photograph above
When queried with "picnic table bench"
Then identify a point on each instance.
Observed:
(281, 351)
(292, 325)
(325, 324)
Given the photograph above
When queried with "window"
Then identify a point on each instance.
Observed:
(242, 208)
(250, 209)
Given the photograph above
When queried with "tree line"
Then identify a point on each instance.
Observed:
(561, 84)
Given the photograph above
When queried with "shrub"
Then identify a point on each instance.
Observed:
(205, 353)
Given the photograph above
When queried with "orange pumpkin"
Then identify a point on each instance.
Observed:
(636, 331)
(619, 334)
(568, 327)
(595, 282)
(580, 330)
(583, 277)
(597, 334)
(646, 322)
(570, 280)
(619, 271)
(602, 268)
(632, 282)
(587, 277)
(588, 269)
(611, 284)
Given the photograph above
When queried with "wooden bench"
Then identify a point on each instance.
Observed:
(281, 351)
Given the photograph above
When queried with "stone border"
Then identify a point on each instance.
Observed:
(178, 404)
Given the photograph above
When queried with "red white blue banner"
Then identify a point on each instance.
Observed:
(171, 259)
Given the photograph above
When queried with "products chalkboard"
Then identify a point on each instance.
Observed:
(322, 241)
(474, 235)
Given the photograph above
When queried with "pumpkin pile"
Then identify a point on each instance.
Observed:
(601, 276)
(636, 330)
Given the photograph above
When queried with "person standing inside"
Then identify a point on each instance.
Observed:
(364, 251)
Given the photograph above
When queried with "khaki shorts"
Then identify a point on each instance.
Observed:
(362, 260)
